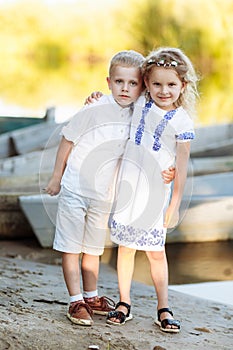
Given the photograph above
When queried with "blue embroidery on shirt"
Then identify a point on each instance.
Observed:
(141, 238)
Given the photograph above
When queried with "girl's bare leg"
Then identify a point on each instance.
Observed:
(159, 274)
(125, 268)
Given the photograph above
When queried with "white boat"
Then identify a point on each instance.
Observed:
(29, 139)
(31, 169)
(42, 161)
(40, 210)
(210, 165)
(36, 162)
(13, 224)
(213, 140)
(22, 175)
(210, 141)
(36, 137)
(207, 211)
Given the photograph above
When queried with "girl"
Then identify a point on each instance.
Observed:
(161, 131)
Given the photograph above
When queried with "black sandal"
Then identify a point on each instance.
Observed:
(167, 322)
(119, 315)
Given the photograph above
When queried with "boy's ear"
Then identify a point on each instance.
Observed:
(109, 82)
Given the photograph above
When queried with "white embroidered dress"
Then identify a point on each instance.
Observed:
(142, 195)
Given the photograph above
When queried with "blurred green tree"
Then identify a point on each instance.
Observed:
(204, 31)
(43, 45)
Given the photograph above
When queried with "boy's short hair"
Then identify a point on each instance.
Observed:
(126, 58)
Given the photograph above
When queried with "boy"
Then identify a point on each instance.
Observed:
(85, 168)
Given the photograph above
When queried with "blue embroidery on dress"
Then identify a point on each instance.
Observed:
(141, 126)
(160, 129)
(186, 136)
(141, 238)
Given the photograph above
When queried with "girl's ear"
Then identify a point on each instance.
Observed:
(109, 83)
(184, 84)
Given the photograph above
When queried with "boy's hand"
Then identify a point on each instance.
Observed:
(53, 187)
(93, 97)
(169, 175)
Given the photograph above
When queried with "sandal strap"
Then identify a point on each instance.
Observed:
(119, 315)
(169, 322)
(122, 303)
(165, 309)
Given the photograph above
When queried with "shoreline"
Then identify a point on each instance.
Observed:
(221, 292)
(34, 303)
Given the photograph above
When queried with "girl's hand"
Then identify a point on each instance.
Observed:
(93, 97)
(171, 217)
(169, 175)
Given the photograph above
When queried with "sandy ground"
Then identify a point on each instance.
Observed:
(33, 304)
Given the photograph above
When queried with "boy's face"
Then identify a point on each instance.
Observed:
(126, 84)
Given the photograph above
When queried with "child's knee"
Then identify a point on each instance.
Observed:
(158, 255)
(126, 251)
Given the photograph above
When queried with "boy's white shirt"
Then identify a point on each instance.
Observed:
(99, 132)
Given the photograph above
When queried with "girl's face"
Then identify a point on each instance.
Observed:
(165, 87)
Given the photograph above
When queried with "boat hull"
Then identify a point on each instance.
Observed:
(40, 211)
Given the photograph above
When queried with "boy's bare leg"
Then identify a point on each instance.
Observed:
(79, 312)
(159, 274)
(71, 272)
(90, 272)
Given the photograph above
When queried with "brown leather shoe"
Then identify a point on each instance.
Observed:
(100, 306)
(80, 313)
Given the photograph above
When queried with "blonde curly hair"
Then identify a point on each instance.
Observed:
(174, 58)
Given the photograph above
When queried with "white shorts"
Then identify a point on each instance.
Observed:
(82, 224)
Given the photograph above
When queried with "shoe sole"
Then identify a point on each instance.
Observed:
(79, 321)
(167, 330)
(98, 312)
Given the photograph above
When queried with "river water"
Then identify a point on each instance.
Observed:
(192, 263)
(188, 262)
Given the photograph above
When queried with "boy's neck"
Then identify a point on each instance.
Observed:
(128, 106)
